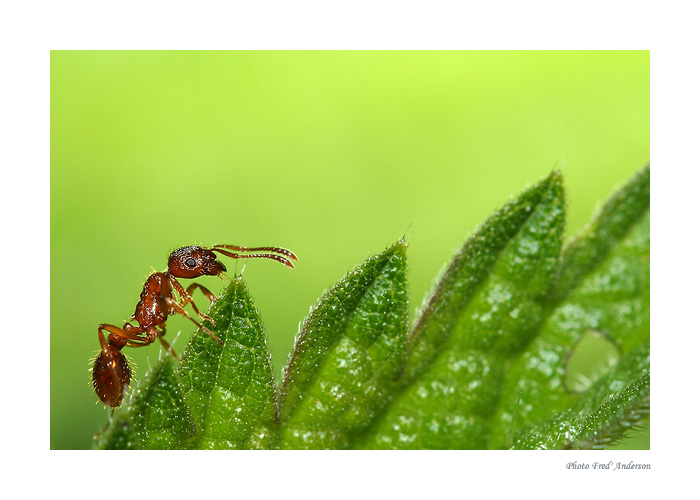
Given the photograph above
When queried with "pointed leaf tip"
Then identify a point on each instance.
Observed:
(349, 351)
(234, 379)
(483, 310)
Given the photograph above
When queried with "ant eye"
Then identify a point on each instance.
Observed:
(191, 262)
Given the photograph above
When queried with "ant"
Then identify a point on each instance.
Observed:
(111, 374)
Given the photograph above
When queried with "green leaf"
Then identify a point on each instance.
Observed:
(609, 226)
(119, 434)
(351, 347)
(603, 288)
(603, 415)
(156, 419)
(484, 310)
(230, 390)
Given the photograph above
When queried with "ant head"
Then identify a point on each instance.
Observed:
(194, 261)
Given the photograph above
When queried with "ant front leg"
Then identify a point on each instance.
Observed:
(186, 296)
(205, 291)
(207, 294)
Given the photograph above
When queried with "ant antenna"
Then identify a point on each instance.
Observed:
(285, 258)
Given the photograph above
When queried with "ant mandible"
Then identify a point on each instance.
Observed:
(111, 374)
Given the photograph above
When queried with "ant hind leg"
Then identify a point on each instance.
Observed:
(122, 336)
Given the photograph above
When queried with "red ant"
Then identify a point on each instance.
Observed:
(111, 374)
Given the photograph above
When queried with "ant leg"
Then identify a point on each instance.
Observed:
(186, 297)
(168, 348)
(205, 291)
(101, 337)
(166, 345)
(129, 332)
(177, 308)
(159, 335)
(108, 350)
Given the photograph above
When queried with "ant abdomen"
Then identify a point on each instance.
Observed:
(111, 376)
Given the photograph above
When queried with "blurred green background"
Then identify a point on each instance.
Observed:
(334, 155)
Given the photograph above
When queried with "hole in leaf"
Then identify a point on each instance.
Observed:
(593, 357)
